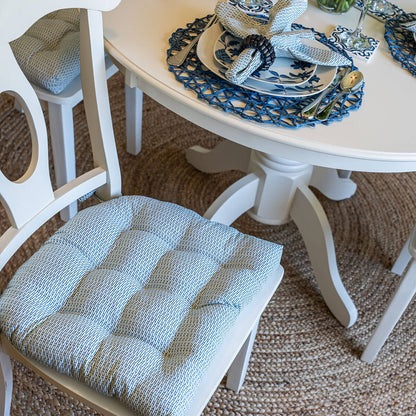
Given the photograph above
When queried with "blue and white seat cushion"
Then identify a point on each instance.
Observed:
(133, 297)
(48, 53)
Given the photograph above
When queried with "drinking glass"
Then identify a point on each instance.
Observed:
(381, 6)
(355, 39)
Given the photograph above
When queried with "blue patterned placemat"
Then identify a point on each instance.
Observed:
(280, 111)
(401, 41)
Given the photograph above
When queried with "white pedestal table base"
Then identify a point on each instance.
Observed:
(275, 191)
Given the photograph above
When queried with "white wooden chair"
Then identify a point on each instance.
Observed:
(48, 61)
(61, 104)
(399, 302)
(144, 301)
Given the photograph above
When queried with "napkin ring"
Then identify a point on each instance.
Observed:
(263, 45)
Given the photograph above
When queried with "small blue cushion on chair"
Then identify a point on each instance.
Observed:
(48, 53)
(133, 297)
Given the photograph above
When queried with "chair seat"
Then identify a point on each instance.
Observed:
(48, 53)
(133, 297)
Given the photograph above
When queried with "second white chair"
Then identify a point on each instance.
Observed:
(400, 300)
(48, 54)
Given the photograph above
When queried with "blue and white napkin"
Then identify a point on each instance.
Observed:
(288, 43)
(411, 26)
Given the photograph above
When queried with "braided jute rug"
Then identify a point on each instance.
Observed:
(304, 362)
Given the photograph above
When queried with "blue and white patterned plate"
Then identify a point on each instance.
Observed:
(284, 71)
(318, 82)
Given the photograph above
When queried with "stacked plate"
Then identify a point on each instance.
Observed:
(287, 77)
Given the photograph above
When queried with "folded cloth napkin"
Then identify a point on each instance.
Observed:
(410, 26)
(277, 34)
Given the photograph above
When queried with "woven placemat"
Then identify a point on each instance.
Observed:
(262, 108)
(303, 363)
(402, 43)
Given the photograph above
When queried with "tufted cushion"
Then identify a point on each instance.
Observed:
(48, 53)
(133, 297)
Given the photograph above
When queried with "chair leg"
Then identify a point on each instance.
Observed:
(403, 260)
(17, 106)
(397, 305)
(238, 369)
(134, 108)
(6, 384)
(62, 135)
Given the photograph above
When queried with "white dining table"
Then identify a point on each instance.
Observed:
(281, 164)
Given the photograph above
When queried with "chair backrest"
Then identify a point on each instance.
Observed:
(30, 201)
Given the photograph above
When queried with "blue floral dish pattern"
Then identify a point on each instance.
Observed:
(205, 52)
(402, 42)
(256, 11)
(282, 72)
(249, 105)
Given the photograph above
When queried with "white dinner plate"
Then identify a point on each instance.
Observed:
(319, 81)
(283, 71)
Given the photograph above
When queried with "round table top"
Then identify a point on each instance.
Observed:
(380, 136)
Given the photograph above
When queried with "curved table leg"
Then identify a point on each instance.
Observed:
(334, 184)
(310, 218)
(225, 156)
(235, 200)
(275, 192)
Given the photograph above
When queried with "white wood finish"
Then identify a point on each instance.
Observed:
(360, 142)
(310, 218)
(399, 301)
(395, 309)
(274, 192)
(224, 156)
(279, 180)
(61, 124)
(134, 109)
(237, 371)
(34, 185)
(6, 384)
(403, 259)
(235, 200)
(63, 148)
(332, 184)
(97, 105)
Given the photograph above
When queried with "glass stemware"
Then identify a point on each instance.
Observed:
(355, 39)
(381, 6)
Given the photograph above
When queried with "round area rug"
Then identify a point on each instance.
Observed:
(304, 362)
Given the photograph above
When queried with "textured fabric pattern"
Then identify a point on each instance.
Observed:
(48, 53)
(133, 297)
(286, 42)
